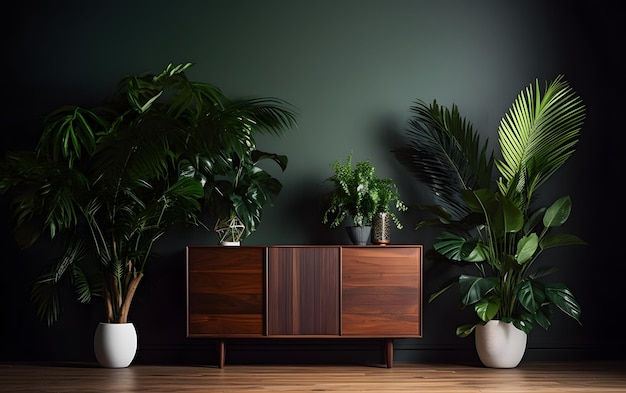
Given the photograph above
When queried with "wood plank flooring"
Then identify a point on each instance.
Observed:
(535, 377)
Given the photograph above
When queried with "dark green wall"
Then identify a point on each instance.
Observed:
(352, 68)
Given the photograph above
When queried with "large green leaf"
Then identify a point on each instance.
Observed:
(542, 316)
(558, 213)
(474, 289)
(532, 295)
(487, 308)
(458, 248)
(560, 239)
(562, 297)
(526, 248)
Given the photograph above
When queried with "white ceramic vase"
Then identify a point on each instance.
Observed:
(500, 344)
(115, 344)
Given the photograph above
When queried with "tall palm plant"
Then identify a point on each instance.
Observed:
(499, 231)
(105, 183)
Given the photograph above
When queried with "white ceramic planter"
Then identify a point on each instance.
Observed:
(115, 344)
(500, 344)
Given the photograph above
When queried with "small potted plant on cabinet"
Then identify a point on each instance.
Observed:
(358, 195)
(499, 232)
(241, 190)
(385, 193)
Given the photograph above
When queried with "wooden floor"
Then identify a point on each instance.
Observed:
(535, 377)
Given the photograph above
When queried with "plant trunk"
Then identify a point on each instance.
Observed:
(122, 317)
(130, 293)
(108, 303)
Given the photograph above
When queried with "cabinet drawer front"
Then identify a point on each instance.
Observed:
(227, 259)
(381, 291)
(376, 260)
(224, 325)
(381, 325)
(225, 291)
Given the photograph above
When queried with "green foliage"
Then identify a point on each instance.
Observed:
(384, 192)
(359, 193)
(243, 189)
(500, 233)
(445, 153)
(105, 183)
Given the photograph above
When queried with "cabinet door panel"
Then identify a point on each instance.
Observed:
(381, 291)
(303, 291)
(225, 291)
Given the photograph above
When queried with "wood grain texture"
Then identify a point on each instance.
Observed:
(303, 290)
(225, 291)
(381, 291)
(529, 377)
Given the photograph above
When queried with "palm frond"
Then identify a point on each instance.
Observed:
(537, 136)
(70, 133)
(48, 194)
(82, 286)
(446, 154)
(46, 291)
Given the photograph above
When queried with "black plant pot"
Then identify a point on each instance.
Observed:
(359, 235)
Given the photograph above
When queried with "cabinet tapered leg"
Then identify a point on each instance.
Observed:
(388, 352)
(221, 353)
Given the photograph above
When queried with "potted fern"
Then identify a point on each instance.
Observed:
(105, 183)
(499, 231)
(358, 195)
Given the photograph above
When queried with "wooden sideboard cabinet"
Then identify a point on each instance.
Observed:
(304, 291)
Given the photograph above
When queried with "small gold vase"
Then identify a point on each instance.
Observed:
(381, 229)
